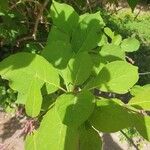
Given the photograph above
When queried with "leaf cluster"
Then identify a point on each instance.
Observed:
(82, 54)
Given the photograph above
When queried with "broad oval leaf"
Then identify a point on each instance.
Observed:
(53, 134)
(88, 33)
(135, 90)
(130, 45)
(112, 52)
(64, 17)
(75, 109)
(110, 116)
(117, 77)
(27, 71)
(141, 100)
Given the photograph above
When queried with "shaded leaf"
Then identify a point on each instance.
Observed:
(53, 134)
(88, 33)
(112, 52)
(75, 109)
(27, 71)
(98, 61)
(110, 116)
(89, 139)
(78, 69)
(64, 17)
(117, 77)
(57, 35)
(58, 53)
(132, 4)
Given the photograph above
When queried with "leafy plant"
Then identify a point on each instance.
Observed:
(128, 25)
(81, 55)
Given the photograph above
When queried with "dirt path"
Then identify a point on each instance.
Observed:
(10, 128)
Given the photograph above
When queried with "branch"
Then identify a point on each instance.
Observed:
(89, 5)
(38, 19)
(130, 60)
(144, 73)
(33, 36)
(24, 39)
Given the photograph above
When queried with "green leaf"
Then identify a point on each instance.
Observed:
(142, 124)
(117, 77)
(75, 109)
(30, 142)
(117, 40)
(132, 4)
(112, 52)
(64, 17)
(135, 90)
(57, 35)
(78, 69)
(53, 134)
(88, 19)
(98, 61)
(110, 116)
(27, 71)
(130, 45)
(89, 139)
(103, 40)
(108, 32)
(33, 106)
(141, 99)
(58, 53)
(88, 33)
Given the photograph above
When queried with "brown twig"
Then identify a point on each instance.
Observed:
(130, 60)
(39, 17)
(23, 39)
(20, 1)
(34, 33)
(89, 5)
